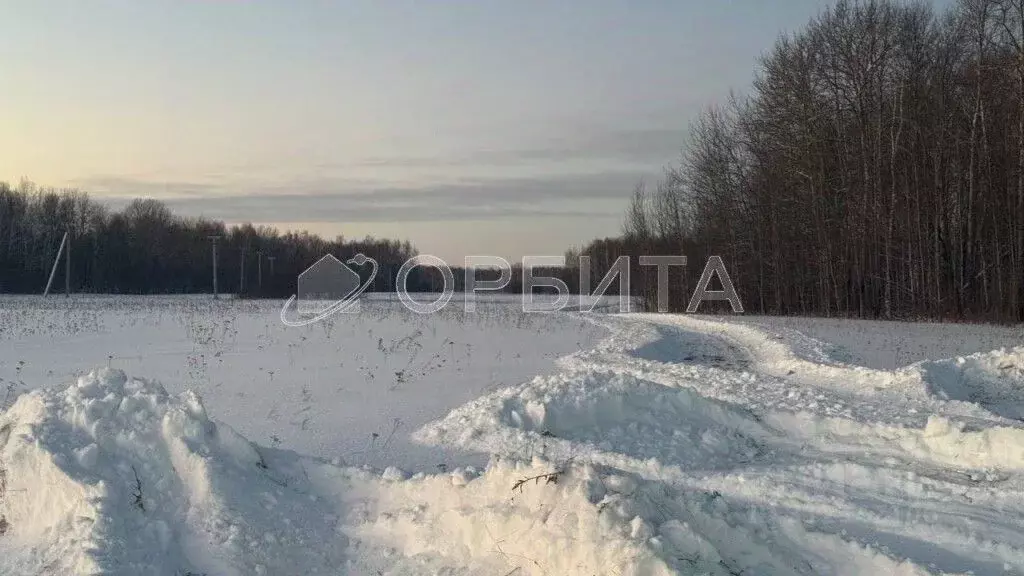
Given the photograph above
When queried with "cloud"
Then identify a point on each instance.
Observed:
(581, 196)
(590, 173)
(652, 147)
(134, 187)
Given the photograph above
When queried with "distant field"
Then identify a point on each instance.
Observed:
(323, 389)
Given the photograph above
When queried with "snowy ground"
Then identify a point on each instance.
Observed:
(351, 388)
(655, 444)
(890, 345)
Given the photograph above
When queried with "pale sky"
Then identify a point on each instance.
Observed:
(468, 127)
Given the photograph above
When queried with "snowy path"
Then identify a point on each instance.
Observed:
(678, 445)
(823, 455)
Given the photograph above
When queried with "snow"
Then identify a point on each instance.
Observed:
(886, 345)
(353, 387)
(653, 444)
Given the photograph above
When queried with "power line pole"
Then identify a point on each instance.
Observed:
(214, 239)
(56, 262)
(67, 268)
(241, 273)
(259, 269)
(271, 258)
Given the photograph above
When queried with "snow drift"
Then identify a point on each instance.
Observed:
(675, 446)
(115, 476)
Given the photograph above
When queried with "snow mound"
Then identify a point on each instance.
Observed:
(114, 476)
(743, 456)
(993, 380)
(599, 416)
(517, 517)
(984, 384)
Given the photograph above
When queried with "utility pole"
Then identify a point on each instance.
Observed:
(67, 268)
(56, 262)
(272, 277)
(259, 269)
(241, 273)
(214, 239)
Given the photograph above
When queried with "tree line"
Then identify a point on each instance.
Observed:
(876, 169)
(144, 248)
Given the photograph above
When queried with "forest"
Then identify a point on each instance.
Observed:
(874, 169)
(145, 248)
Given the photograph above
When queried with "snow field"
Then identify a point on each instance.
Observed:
(349, 389)
(674, 445)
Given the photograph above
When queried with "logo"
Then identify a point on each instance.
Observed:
(329, 287)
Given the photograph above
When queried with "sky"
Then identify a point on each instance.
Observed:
(467, 127)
